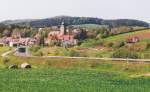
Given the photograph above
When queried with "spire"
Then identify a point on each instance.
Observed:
(62, 23)
(62, 29)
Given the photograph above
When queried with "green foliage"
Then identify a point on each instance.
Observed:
(145, 55)
(71, 53)
(97, 54)
(122, 37)
(105, 34)
(108, 44)
(91, 43)
(118, 44)
(91, 26)
(141, 46)
(102, 32)
(125, 53)
(5, 60)
(38, 53)
(34, 48)
(120, 30)
(81, 20)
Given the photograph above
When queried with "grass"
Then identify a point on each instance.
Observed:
(69, 80)
(74, 75)
(4, 49)
(114, 66)
(122, 37)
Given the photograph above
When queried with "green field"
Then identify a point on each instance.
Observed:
(122, 37)
(73, 75)
(69, 80)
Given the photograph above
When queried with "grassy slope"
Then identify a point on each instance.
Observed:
(122, 37)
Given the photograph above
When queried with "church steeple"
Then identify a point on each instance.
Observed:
(63, 29)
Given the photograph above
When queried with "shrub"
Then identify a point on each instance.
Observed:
(91, 43)
(118, 44)
(124, 53)
(91, 34)
(105, 34)
(121, 29)
(38, 53)
(56, 52)
(5, 60)
(34, 48)
(141, 46)
(108, 44)
(71, 53)
(94, 54)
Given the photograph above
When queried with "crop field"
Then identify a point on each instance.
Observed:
(76, 75)
(70, 80)
(73, 75)
(143, 35)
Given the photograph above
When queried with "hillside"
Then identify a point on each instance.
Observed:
(54, 21)
(143, 35)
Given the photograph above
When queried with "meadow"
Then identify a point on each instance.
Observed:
(73, 75)
(143, 35)
(70, 80)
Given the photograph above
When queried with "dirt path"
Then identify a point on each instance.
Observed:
(8, 52)
(65, 57)
(141, 75)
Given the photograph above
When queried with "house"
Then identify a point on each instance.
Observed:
(14, 42)
(133, 40)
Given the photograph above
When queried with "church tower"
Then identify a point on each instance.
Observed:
(63, 29)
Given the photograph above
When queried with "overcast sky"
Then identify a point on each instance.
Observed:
(107, 9)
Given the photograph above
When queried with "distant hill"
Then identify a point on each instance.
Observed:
(9, 22)
(54, 21)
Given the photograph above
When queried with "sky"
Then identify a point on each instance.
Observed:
(106, 9)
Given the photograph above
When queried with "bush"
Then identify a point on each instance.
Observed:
(118, 44)
(119, 30)
(146, 56)
(108, 44)
(71, 53)
(95, 54)
(91, 43)
(34, 48)
(38, 53)
(141, 46)
(5, 60)
(124, 53)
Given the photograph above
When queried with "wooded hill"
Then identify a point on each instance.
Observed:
(54, 21)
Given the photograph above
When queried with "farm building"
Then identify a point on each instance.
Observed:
(133, 40)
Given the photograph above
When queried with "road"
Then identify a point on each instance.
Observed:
(65, 57)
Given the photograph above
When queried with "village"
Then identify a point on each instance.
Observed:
(74, 45)
(63, 36)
